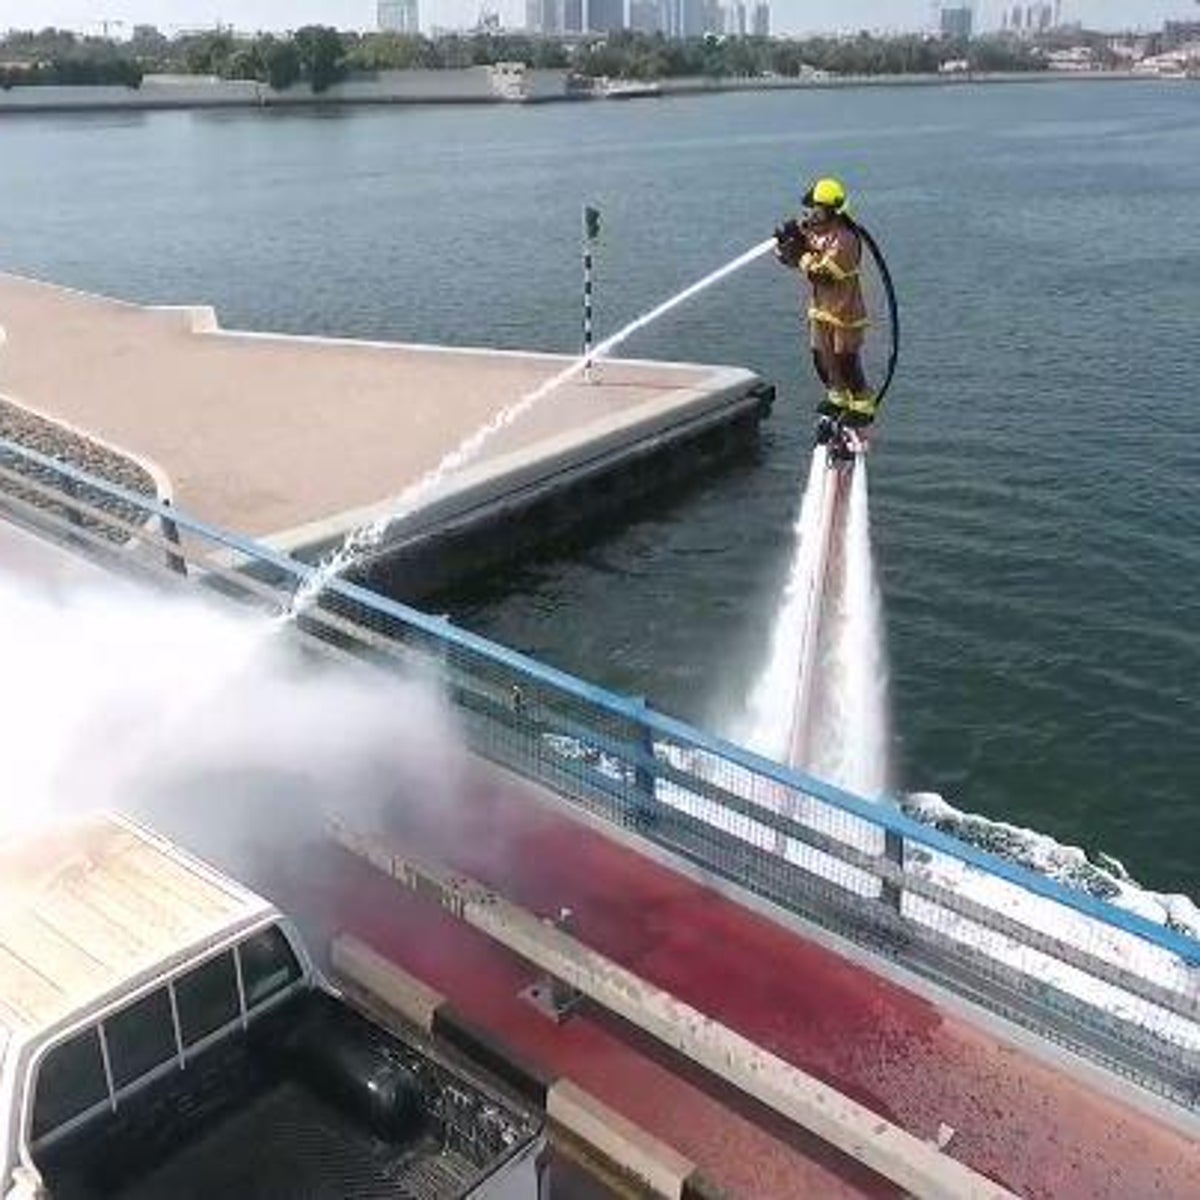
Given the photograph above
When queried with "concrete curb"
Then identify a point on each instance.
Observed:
(615, 1140)
(662, 1169)
(164, 492)
(404, 994)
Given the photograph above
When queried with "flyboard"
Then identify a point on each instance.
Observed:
(840, 449)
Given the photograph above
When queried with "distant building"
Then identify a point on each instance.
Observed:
(572, 16)
(647, 16)
(1077, 58)
(1180, 33)
(1027, 20)
(544, 16)
(398, 16)
(698, 18)
(605, 16)
(695, 18)
(957, 23)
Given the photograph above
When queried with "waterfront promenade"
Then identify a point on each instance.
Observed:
(297, 441)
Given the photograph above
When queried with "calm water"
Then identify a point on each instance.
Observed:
(1035, 496)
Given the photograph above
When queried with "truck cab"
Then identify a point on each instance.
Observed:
(164, 1034)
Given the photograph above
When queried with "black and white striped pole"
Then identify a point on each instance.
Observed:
(591, 231)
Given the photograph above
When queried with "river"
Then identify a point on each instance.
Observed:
(1034, 485)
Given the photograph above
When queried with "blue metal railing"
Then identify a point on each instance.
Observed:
(1107, 980)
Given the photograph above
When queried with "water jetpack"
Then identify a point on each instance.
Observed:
(843, 443)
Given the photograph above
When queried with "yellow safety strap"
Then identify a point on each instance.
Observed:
(827, 265)
(863, 403)
(823, 317)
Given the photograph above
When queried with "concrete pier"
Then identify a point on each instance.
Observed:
(296, 441)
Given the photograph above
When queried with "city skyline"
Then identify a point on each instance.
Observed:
(787, 16)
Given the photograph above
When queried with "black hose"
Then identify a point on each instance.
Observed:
(893, 307)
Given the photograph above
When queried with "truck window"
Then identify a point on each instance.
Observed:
(207, 998)
(268, 965)
(69, 1081)
(140, 1037)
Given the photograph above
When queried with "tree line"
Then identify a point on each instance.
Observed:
(56, 56)
(320, 56)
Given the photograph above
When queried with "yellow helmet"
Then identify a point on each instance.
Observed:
(828, 193)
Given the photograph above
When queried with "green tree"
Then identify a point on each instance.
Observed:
(244, 63)
(208, 53)
(389, 52)
(280, 63)
(322, 55)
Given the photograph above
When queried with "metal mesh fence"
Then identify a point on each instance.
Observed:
(1088, 974)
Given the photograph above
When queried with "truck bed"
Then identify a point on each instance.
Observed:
(313, 1103)
(291, 1143)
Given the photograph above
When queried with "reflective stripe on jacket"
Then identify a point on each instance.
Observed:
(832, 266)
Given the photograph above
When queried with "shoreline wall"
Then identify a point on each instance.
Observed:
(471, 85)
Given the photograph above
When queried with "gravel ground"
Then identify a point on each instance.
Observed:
(37, 433)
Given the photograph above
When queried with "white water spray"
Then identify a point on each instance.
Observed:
(848, 741)
(180, 712)
(821, 704)
(369, 536)
(772, 708)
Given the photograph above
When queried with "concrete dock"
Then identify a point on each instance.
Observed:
(296, 441)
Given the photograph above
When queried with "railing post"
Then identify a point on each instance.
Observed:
(892, 894)
(645, 803)
(71, 489)
(170, 531)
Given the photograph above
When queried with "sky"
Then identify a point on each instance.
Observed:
(788, 16)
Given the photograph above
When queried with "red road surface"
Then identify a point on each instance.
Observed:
(1042, 1133)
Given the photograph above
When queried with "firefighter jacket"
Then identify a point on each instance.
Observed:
(832, 265)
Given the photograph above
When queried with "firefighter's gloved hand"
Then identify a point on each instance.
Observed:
(791, 242)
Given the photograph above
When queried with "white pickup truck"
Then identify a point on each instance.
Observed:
(164, 1036)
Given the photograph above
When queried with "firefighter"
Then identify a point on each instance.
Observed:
(827, 247)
